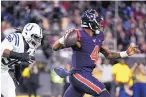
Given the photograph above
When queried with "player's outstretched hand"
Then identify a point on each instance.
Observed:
(132, 50)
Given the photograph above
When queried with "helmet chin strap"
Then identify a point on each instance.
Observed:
(97, 32)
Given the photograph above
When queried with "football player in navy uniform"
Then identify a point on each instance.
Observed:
(86, 43)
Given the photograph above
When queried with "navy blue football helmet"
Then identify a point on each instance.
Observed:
(92, 20)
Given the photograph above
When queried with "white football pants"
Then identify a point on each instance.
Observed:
(7, 85)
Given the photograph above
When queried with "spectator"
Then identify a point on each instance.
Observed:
(56, 84)
(7, 28)
(46, 47)
(107, 74)
(139, 86)
(57, 16)
(122, 78)
(109, 41)
(125, 91)
(123, 41)
(30, 79)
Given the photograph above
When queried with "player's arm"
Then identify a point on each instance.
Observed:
(7, 47)
(112, 55)
(14, 55)
(67, 40)
(58, 44)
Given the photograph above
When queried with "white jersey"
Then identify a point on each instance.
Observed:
(13, 42)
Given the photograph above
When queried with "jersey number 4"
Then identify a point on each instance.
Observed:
(94, 54)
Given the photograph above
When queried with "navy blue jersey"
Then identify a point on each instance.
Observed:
(88, 53)
(83, 62)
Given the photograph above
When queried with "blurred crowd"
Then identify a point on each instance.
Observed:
(125, 21)
(125, 24)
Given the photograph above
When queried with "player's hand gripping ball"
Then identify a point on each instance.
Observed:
(70, 38)
(132, 50)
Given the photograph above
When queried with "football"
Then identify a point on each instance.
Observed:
(71, 38)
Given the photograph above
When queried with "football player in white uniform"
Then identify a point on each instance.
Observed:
(16, 48)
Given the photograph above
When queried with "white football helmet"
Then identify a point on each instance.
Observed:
(32, 34)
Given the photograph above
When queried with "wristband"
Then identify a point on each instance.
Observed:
(123, 54)
(61, 40)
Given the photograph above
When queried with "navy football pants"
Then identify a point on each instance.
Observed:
(84, 82)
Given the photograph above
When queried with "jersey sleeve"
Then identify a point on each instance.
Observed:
(10, 42)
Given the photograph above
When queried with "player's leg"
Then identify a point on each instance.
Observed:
(3, 84)
(7, 85)
(72, 92)
(88, 84)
